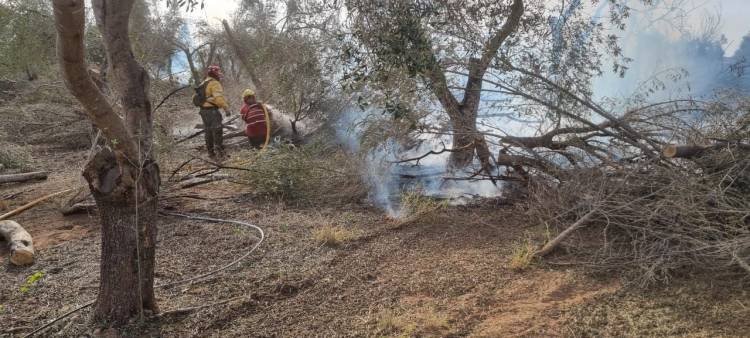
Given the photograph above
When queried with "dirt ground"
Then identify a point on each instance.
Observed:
(444, 275)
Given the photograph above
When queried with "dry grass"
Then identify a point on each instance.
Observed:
(332, 236)
(522, 254)
(423, 322)
(14, 157)
(695, 309)
(414, 205)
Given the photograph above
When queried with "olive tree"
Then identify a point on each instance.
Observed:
(123, 176)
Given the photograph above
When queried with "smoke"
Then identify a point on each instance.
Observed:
(669, 62)
(387, 176)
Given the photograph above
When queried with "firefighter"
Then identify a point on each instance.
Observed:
(210, 98)
(257, 117)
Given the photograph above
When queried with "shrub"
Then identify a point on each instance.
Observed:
(314, 172)
(14, 157)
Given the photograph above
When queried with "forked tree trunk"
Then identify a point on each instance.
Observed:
(123, 177)
(463, 115)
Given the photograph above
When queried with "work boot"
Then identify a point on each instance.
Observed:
(212, 155)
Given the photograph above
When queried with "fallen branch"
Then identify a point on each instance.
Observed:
(16, 329)
(203, 130)
(174, 172)
(200, 181)
(21, 243)
(15, 194)
(741, 262)
(692, 151)
(203, 276)
(168, 96)
(23, 177)
(684, 151)
(555, 242)
(187, 310)
(31, 204)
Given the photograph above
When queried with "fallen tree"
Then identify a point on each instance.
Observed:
(23, 177)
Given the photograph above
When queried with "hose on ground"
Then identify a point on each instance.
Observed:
(180, 282)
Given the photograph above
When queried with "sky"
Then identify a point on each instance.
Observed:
(215, 11)
(734, 16)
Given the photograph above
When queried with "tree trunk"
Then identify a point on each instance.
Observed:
(464, 134)
(193, 70)
(128, 216)
(240, 54)
(123, 176)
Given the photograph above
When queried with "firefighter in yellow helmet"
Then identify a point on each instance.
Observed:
(254, 115)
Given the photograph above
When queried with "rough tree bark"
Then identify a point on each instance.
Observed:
(123, 176)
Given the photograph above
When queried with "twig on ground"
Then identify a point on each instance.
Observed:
(186, 310)
(174, 172)
(180, 282)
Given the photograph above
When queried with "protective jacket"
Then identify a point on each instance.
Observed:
(214, 94)
(255, 119)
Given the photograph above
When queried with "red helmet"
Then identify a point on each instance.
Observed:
(214, 71)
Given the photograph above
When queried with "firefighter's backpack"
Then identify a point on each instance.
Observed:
(200, 94)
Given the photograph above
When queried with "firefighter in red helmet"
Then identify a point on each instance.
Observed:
(210, 98)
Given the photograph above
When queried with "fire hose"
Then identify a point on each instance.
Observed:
(180, 282)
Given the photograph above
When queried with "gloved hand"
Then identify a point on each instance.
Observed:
(227, 113)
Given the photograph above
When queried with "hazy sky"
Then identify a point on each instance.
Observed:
(734, 16)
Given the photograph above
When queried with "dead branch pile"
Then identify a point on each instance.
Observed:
(657, 215)
(654, 221)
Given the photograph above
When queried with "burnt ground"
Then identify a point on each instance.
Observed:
(445, 274)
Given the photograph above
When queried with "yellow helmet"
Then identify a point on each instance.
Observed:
(248, 92)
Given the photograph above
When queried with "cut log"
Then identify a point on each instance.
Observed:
(683, 151)
(23, 177)
(21, 244)
(692, 151)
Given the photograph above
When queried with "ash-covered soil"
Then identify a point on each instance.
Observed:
(444, 275)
